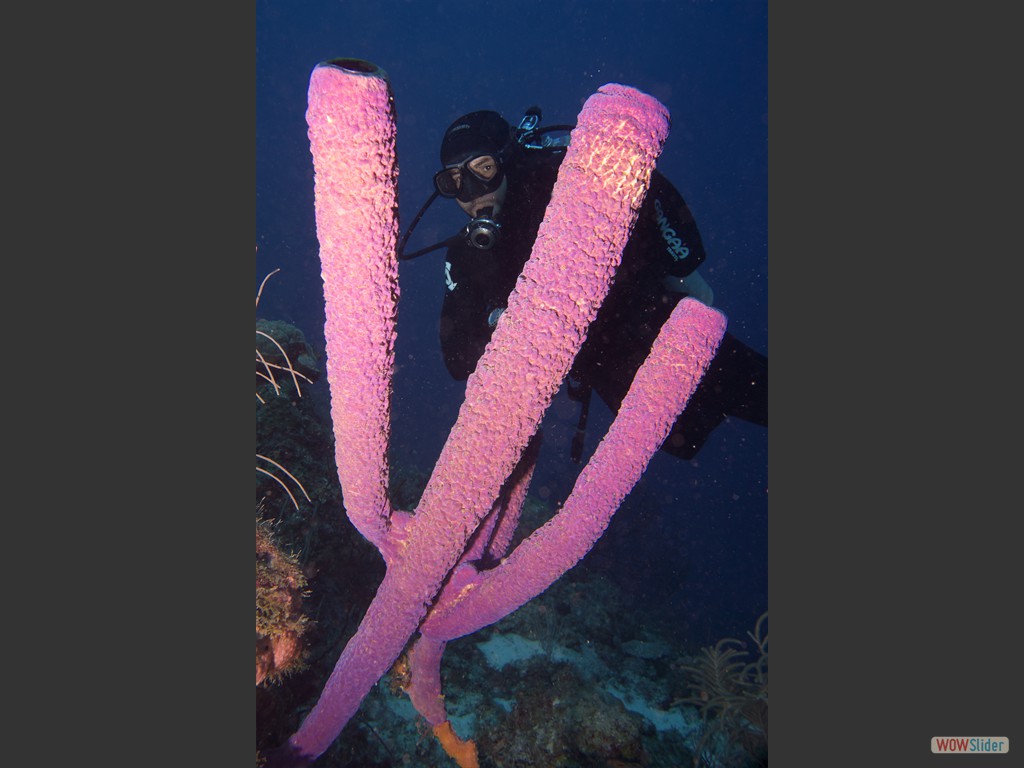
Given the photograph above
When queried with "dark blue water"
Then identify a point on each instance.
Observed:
(691, 542)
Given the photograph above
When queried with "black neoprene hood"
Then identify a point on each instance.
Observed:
(477, 133)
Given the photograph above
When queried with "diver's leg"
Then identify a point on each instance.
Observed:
(741, 374)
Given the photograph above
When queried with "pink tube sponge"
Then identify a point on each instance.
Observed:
(594, 203)
(352, 140)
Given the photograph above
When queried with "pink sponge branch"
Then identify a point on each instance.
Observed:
(659, 392)
(425, 679)
(352, 140)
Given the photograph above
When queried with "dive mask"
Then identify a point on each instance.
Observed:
(472, 178)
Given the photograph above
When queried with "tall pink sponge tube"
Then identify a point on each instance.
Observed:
(352, 139)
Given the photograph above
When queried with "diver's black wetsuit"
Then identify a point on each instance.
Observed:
(664, 243)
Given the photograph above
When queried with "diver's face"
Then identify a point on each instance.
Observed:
(492, 200)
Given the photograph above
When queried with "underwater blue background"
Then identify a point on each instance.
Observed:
(691, 541)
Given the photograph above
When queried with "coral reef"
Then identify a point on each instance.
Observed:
(333, 561)
(566, 722)
(281, 351)
(280, 621)
(283, 358)
(732, 696)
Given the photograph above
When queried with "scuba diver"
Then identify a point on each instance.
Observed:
(502, 178)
